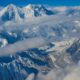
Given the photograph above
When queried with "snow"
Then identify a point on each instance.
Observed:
(61, 45)
(53, 34)
(3, 42)
(11, 9)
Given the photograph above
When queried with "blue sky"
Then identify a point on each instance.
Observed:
(47, 2)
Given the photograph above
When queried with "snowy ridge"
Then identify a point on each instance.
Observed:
(16, 14)
(36, 10)
(12, 12)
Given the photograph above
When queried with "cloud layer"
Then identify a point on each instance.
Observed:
(71, 73)
(23, 45)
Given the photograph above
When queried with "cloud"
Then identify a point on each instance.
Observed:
(72, 73)
(23, 45)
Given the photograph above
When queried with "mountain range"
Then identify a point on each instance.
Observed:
(12, 12)
(15, 13)
(36, 39)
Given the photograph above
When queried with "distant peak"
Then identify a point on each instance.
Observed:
(12, 5)
(29, 6)
(34, 6)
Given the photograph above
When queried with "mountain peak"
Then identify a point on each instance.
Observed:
(36, 10)
(30, 6)
(11, 6)
(33, 6)
(10, 12)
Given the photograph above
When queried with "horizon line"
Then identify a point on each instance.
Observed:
(41, 4)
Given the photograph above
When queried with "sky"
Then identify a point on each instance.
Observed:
(46, 2)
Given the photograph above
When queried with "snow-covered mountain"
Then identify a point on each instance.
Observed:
(24, 30)
(53, 55)
(74, 51)
(17, 14)
(12, 12)
(36, 10)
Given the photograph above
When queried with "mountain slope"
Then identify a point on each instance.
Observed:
(14, 13)
(11, 12)
(36, 10)
(74, 51)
